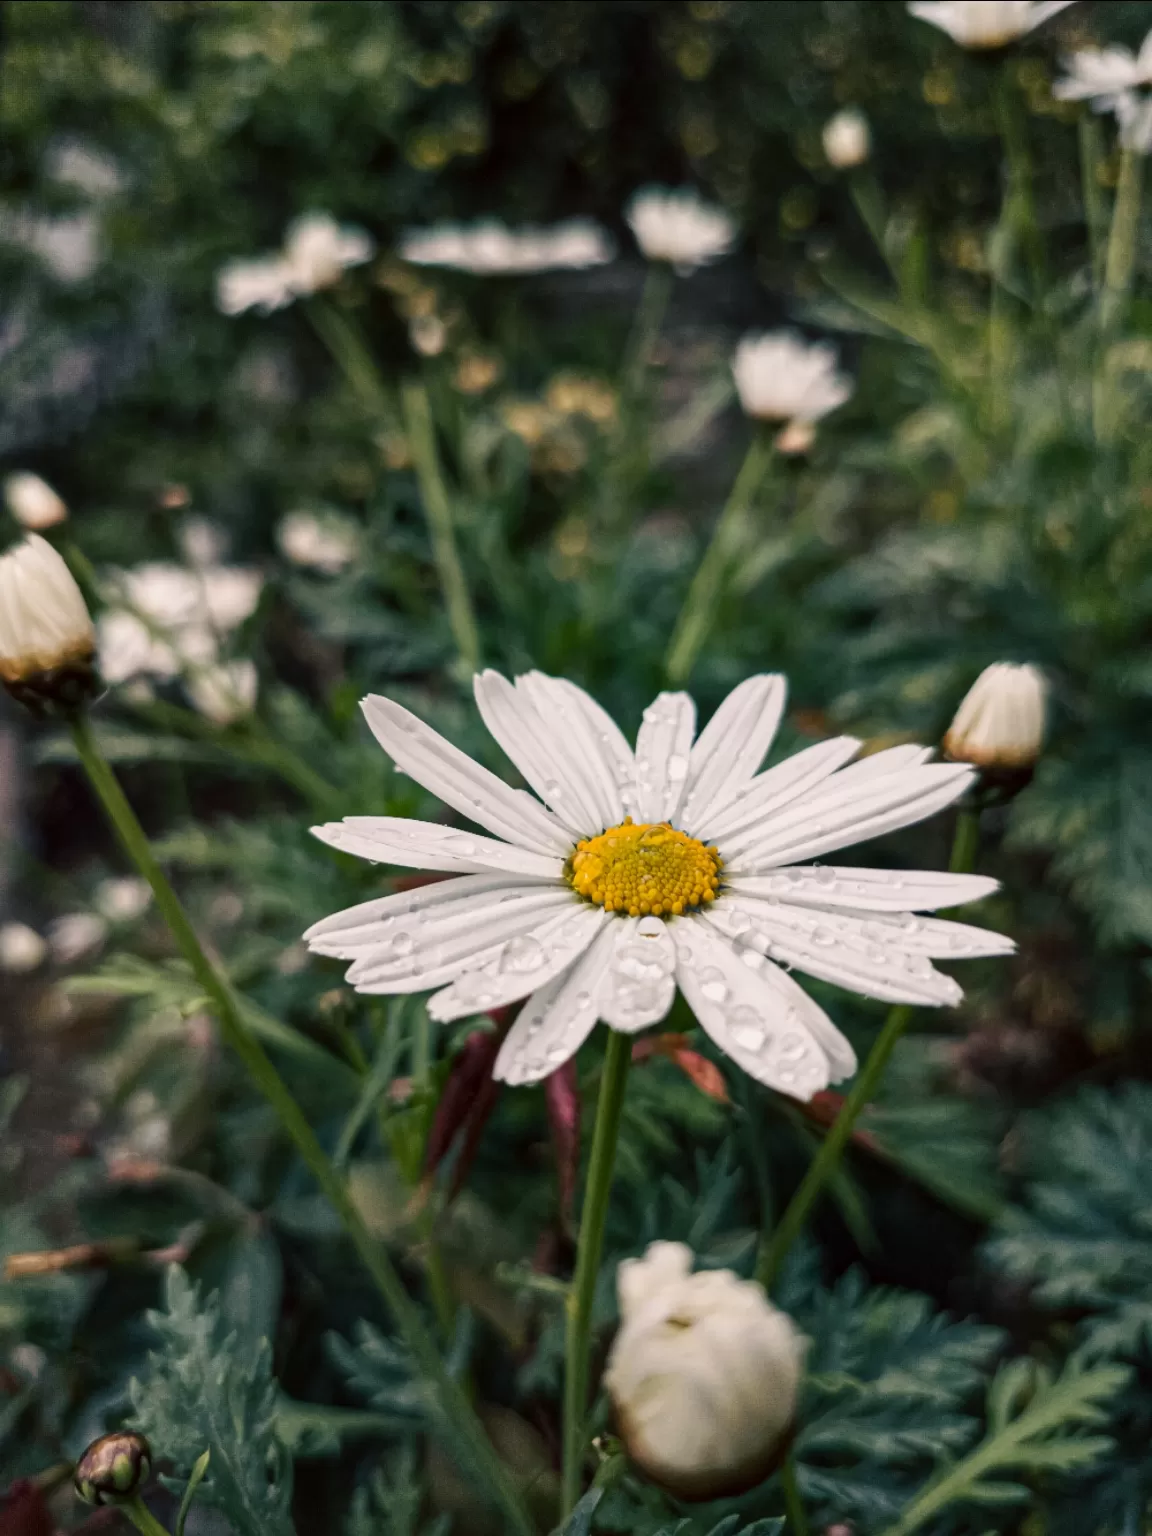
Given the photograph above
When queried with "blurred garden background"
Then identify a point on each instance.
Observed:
(449, 446)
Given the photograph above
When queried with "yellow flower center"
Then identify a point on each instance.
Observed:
(644, 869)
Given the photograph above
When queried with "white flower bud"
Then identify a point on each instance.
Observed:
(32, 501)
(47, 642)
(21, 948)
(703, 1374)
(1000, 722)
(123, 898)
(847, 139)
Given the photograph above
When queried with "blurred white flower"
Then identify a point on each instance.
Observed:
(1103, 75)
(263, 283)
(82, 164)
(128, 648)
(67, 244)
(32, 501)
(490, 248)
(703, 1374)
(123, 898)
(319, 541)
(44, 621)
(428, 335)
(986, 23)
(21, 948)
(847, 139)
(1134, 116)
(202, 542)
(225, 693)
(317, 251)
(782, 377)
(1001, 719)
(75, 935)
(679, 227)
(173, 618)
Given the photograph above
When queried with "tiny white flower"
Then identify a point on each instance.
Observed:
(44, 621)
(123, 898)
(703, 1374)
(781, 377)
(428, 335)
(263, 283)
(847, 139)
(225, 693)
(67, 244)
(489, 248)
(83, 164)
(1001, 719)
(128, 648)
(173, 617)
(1104, 75)
(986, 23)
(75, 935)
(679, 227)
(32, 501)
(21, 948)
(637, 872)
(317, 251)
(319, 541)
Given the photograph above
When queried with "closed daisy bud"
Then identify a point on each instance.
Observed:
(1000, 722)
(47, 642)
(113, 1468)
(32, 501)
(847, 140)
(703, 1375)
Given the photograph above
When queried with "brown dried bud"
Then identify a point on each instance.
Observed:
(113, 1468)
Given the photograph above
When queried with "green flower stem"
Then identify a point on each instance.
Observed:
(824, 1165)
(732, 529)
(1095, 212)
(1120, 261)
(438, 511)
(797, 1522)
(349, 352)
(578, 1305)
(142, 1517)
(645, 333)
(469, 1436)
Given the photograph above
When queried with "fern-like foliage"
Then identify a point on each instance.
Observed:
(391, 1503)
(206, 1389)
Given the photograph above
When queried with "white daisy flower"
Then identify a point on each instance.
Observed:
(316, 253)
(986, 23)
(490, 249)
(1104, 75)
(679, 227)
(637, 872)
(781, 377)
(263, 283)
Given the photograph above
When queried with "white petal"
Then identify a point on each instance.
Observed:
(756, 1015)
(370, 923)
(429, 845)
(425, 755)
(862, 955)
(776, 787)
(878, 765)
(541, 756)
(611, 737)
(871, 890)
(663, 749)
(732, 746)
(556, 1020)
(523, 964)
(836, 819)
(582, 742)
(436, 946)
(640, 984)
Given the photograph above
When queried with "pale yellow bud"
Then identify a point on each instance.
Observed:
(1001, 720)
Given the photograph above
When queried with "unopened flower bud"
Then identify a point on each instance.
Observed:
(847, 139)
(703, 1374)
(1000, 722)
(113, 1468)
(32, 501)
(47, 642)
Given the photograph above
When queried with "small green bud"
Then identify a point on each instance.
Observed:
(113, 1468)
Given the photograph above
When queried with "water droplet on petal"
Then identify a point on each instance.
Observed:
(677, 768)
(739, 921)
(649, 927)
(713, 986)
(748, 1028)
(823, 936)
(582, 1000)
(522, 954)
(402, 944)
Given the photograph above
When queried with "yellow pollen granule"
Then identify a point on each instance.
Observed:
(648, 869)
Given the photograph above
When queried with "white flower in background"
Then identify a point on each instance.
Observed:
(75, 935)
(1000, 722)
(225, 693)
(637, 872)
(703, 1374)
(123, 898)
(32, 501)
(202, 542)
(1104, 75)
(847, 139)
(317, 251)
(679, 227)
(128, 648)
(21, 948)
(319, 541)
(781, 377)
(171, 619)
(82, 164)
(44, 621)
(67, 244)
(264, 283)
(491, 249)
(986, 23)
(428, 335)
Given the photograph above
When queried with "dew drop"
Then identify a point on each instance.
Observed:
(677, 768)
(748, 1028)
(918, 965)
(402, 944)
(713, 986)
(582, 1001)
(460, 845)
(823, 937)
(553, 790)
(521, 954)
(792, 1047)
(824, 875)
(649, 927)
(739, 921)
(752, 958)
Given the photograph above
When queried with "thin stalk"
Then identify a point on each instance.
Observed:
(1092, 192)
(349, 352)
(578, 1306)
(469, 1435)
(699, 611)
(142, 1517)
(438, 511)
(1120, 260)
(793, 1506)
(824, 1165)
(443, 1301)
(645, 333)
